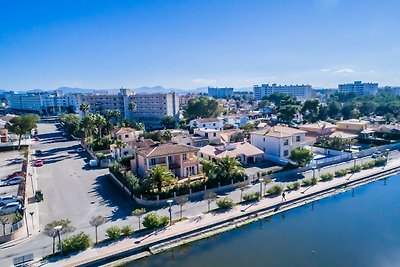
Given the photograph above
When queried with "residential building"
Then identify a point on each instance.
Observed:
(277, 142)
(359, 88)
(390, 90)
(235, 120)
(125, 134)
(3, 132)
(209, 123)
(223, 92)
(320, 128)
(244, 152)
(184, 99)
(130, 147)
(41, 103)
(212, 135)
(352, 125)
(149, 108)
(301, 92)
(180, 159)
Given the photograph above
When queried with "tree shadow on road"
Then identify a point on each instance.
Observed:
(112, 196)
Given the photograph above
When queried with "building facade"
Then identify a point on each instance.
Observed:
(301, 92)
(223, 92)
(359, 88)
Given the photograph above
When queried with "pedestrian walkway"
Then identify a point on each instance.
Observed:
(180, 228)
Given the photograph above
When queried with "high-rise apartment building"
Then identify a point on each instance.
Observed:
(301, 92)
(223, 92)
(359, 88)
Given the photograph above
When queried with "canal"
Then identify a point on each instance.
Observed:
(357, 228)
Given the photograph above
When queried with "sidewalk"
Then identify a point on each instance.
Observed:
(240, 210)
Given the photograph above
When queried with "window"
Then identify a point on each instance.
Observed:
(215, 134)
(152, 162)
(286, 142)
(286, 153)
(184, 156)
(298, 138)
(214, 124)
(127, 135)
(204, 126)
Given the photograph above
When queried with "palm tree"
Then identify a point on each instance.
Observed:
(84, 107)
(138, 213)
(167, 136)
(228, 166)
(139, 126)
(113, 115)
(100, 122)
(120, 145)
(159, 175)
(181, 202)
(210, 197)
(132, 106)
(88, 124)
(96, 222)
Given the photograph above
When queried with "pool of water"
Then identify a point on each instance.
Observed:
(360, 227)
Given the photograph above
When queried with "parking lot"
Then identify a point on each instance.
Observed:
(7, 168)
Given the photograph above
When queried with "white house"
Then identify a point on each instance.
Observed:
(212, 135)
(125, 134)
(277, 142)
(209, 123)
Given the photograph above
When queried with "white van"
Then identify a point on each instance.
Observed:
(93, 163)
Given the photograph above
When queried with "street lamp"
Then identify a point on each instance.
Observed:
(26, 221)
(170, 210)
(31, 213)
(58, 229)
(355, 161)
(261, 182)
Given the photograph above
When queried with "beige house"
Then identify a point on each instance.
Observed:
(244, 152)
(320, 128)
(180, 159)
(352, 125)
(125, 134)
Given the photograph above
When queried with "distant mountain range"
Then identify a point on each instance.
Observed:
(145, 89)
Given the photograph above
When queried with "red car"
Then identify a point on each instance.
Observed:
(39, 163)
(36, 138)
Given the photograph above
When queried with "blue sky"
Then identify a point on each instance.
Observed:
(195, 43)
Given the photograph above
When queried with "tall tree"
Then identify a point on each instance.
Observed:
(84, 107)
(301, 156)
(167, 135)
(100, 122)
(22, 125)
(201, 107)
(88, 124)
(310, 110)
(139, 213)
(120, 145)
(159, 175)
(50, 229)
(168, 122)
(96, 222)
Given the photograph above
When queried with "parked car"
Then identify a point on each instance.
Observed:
(13, 181)
(377, 154)
(10, 207)
(93, 163)
(16, 161)
(9, 199)
(36, 138)
(9, 178)
(39, 163)
(79, 150)
(15, 174)
(39, 152)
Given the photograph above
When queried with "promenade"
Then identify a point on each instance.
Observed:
(214, 222)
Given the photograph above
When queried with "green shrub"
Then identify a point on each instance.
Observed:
(368, 165)
(341, 173)
(127, 230)
(293, 186)
(153, 220)
(380, 161)
(251, 196)
(327, 177)
(114, 232)
(356, 168)
(275, 189)
(310, 182)
(225, 203)
(100, 155)
(76, 242)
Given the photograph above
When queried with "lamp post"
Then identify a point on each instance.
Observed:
(355, 161)
(31, 213)
(261, 182)
(170, 210)
(58, 229)
(26, 221)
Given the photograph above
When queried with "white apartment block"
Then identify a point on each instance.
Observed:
(277, 142)
(301, 92)
(359, 88)
(207, 123)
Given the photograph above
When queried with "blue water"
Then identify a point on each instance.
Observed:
(355, 228)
